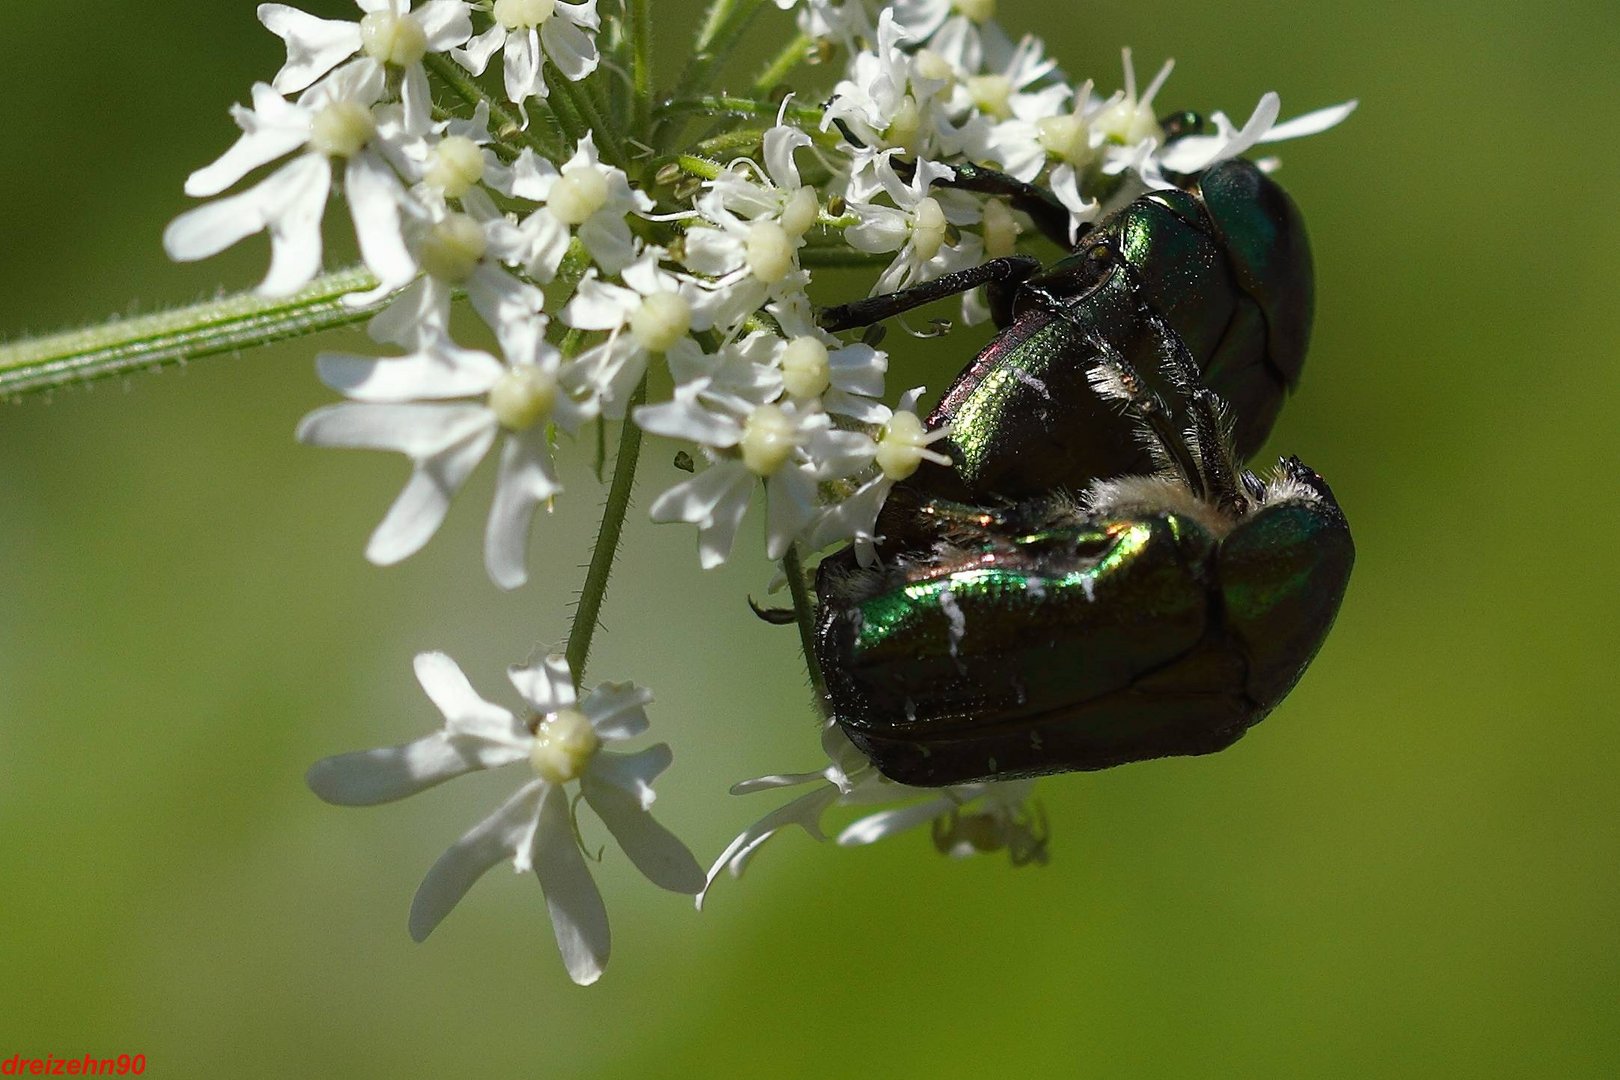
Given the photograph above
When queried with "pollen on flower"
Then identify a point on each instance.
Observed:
(1000, 230)
(342, 129)
(770, 252)
(1129, 122)
(564, 743)
(934, 67)
(992, 94)
(523, 397)
(1067, 138)
(660, 321)
(928, 227)
(455, 165)
(398, 40)
(801, 212)
(523, 14)
(767, 440)
(901, 445)
(978, 11)
(806, 373)
(580, 191)
(453, 247)
(906, 125)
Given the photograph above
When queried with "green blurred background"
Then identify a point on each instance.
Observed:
(1408, 871)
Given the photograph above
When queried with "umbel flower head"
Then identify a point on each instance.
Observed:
(559, 739)
(640, 261)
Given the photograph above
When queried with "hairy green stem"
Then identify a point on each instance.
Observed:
(804, 613)
(226, 325)
(589, 608)
(606, 135)
(506, 125)
(641, 63)
(715, 104)
(563, 109)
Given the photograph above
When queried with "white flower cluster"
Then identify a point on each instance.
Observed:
(596, 275)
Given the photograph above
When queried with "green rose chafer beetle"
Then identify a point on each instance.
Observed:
(1098, 580)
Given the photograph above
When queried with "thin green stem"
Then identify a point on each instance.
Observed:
(568, 117)
(589, 608)
(804, 613)
(715, 104)
(722, 27)
(506, 124)
(641, 63)
(147, 342)
(782, 64)
(606, 135)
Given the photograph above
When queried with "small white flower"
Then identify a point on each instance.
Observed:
(390, 34)
(850, 376)
(409, 404)
(1194, 153)
(963, 31)
(455, 250)
(789, 447)
(898, 450)
(562, 740)
(966, 819)
(527, 33)
(919, 227)
(758, 227)
(651, 314)
(333, 122)
(585, 198)
(456, 157)
(886, 102)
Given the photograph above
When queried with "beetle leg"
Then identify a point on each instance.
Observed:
(1211, 425)
(1115, 378)
(1007, 271)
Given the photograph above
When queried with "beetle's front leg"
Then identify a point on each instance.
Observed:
(1008, 271)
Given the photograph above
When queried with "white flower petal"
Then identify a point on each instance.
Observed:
(790, 498)
(497, 837)
(447, 23)
(314, 46)
(805, 812)
(476, 56)
(419, 431)
(272, 129)
(299, 189)
(526, 480)
(464, 711)
(569, 47)
(1311, 123)
(445, 372)
(654, 850)
(617, 710)
(522, 66)
(577, 915)
(547, 685)
(369, 777)
(376, 199)
(875, 827)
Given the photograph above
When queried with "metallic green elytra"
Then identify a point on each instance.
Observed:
(1044, 637)
(1225, 260)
